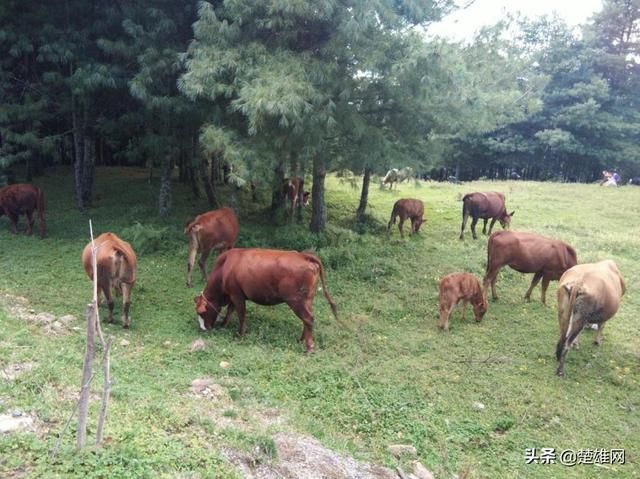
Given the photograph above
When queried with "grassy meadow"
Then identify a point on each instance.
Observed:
(385, 374)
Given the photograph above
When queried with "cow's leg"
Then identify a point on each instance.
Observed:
(598, 340)
(490, 279)
(545, 285)
(473, 227)
(401, 226)
(534, 283)
(107, 295)
(493, 222)
(484, 225)
(202, 262)
(29, 222)
(465, 217)
(191, 260)
(227, 316)
(392, 221)
(126, 303)
(464, 307)
(13, 218)
(563, 346)
(240, 307)
(304, 313)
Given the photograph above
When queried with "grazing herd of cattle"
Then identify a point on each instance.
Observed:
(588, 294)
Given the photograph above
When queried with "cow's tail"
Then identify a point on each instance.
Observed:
(314, 259)
(394, 216)
(566, 321)
(40, 208)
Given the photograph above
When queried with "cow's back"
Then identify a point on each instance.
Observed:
(108, 244)
(19, 198)
(215, 227)
(602, 281)
(485, 204)
(409, 207)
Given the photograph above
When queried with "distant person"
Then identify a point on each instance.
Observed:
(607, 179)
(616, 177)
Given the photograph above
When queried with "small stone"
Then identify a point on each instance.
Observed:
(225, 365)
(11, 423)
(420, 471)
(198, 345)
(402, 449)
(478, 406)
(124, 342)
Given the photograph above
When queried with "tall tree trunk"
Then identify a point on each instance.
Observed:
(208, 186)
(364, 195)
(78, 153)
(88, 169)
(165, 188)
(277, 198)
(318, 208)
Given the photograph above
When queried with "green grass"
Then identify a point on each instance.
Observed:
(385, 374)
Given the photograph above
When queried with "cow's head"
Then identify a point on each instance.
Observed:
(505, 219)
(207, 312)
(418, 224)
(480, 307)
(306, 197)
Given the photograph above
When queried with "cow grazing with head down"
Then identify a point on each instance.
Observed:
(587, 294)
(484, 205)
(547, 258)
(266, 277)
(217, 229)
(117, 266)
(294, 194)
(407, 208)
(457, 287)
(390, 178)
(23, 199)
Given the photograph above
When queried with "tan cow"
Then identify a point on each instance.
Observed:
(457, 287)
(587, 294)
(407, 208)
(547, 258)
(117, 268)
(217, 229)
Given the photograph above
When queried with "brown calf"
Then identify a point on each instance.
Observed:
(217, 229)
(117, 267)
(485, 206)
(587, 294)
(23, 199)
(265, 277)
(407, 208)
(457, 287)
(547, 258)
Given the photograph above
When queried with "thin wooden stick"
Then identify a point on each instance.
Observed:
(83, 407)
(106, 390)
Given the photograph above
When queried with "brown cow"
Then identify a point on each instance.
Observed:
(217, 229)
(587, 294)
(265, 277)
(457, 287)
(485, 206)
(23, 199)
(294, 194)
(527, 253)
(116, 264)
(407, 208)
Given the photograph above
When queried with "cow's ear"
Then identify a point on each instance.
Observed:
(512, 213)
(195, 299)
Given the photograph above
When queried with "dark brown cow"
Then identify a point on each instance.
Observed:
(294, 194)
(485, 206)
(407, 208)
(23, 199)
(587, 294)
(117, 267)
(265, 277)
(547, 258)
(457, 287)
(217, 229)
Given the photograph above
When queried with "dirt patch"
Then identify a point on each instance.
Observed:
(12, 371)
(18, 307)
(301, 456)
